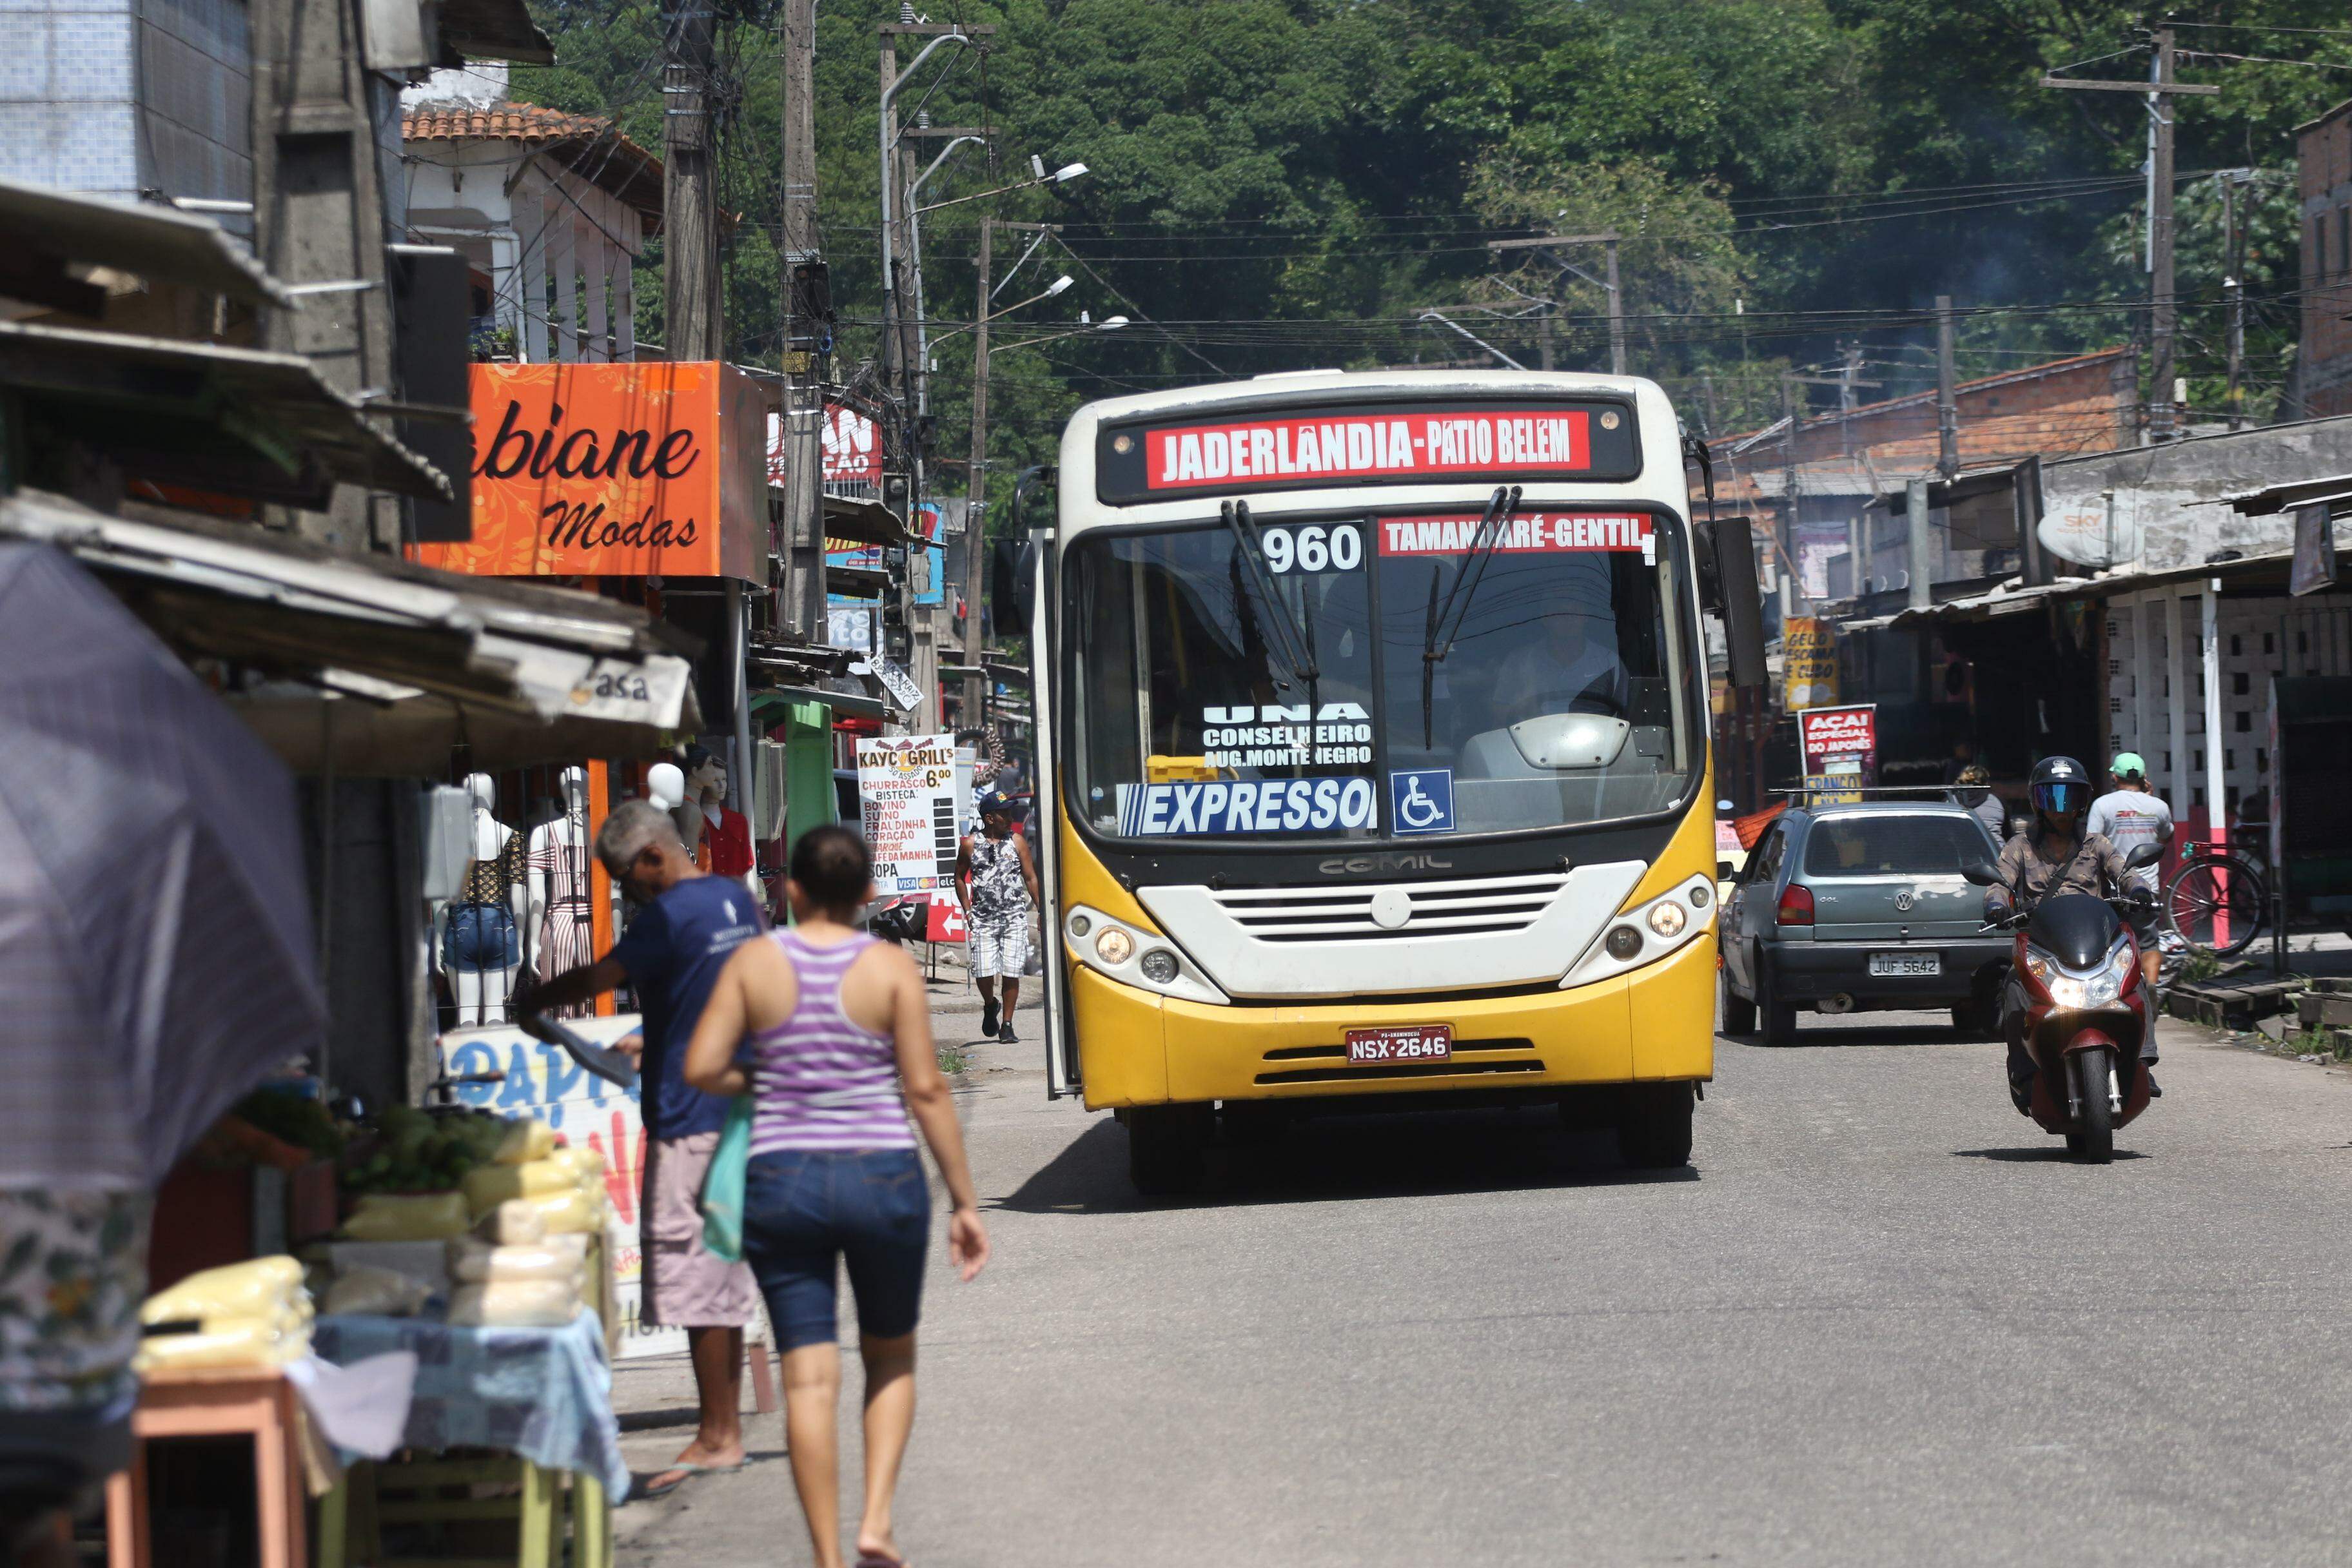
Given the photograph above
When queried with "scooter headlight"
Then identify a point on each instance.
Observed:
(2108, 983)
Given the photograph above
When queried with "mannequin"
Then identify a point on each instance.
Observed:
(559, 920)
(666, 783)
(480, 934)
(722, 843)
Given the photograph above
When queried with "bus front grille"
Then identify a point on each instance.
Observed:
(1487, 905)
(1329, 1064)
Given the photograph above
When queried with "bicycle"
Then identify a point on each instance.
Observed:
(2229, 887)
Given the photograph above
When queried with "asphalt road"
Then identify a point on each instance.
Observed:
(1880, 1321)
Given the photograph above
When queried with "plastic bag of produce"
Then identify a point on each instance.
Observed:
(526, 1138)
(256, 1343)
(512, 1224)
(573, 1211)
(494, 1184)
(407, 1216)
(381, 1292)
(586, 1165)
(249, 1290)
(477, 1262)
(514, 1304)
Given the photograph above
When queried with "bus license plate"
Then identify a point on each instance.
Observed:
(1415, 1043)
(1907, 964)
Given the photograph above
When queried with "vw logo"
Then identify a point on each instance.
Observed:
(1903, 901)
(1391, 908)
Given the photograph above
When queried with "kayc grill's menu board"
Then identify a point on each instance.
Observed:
(1264, 448)
(906, 785)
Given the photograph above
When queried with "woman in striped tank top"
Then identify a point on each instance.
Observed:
(829, 1030)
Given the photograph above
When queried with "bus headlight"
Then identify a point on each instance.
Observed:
(1646, 932)
(1110, 946)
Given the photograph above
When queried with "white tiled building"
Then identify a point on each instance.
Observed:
(551, 209)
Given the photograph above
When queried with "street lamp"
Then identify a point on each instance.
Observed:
(1055, 286)
(1061, 176)
(915, 244)
(1441, 317)
(1108, 324)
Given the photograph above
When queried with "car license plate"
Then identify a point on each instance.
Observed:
(1413, 1043)
(1907, 964)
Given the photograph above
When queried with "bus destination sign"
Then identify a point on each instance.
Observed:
(1367, 444)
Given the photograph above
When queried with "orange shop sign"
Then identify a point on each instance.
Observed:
(615, 470)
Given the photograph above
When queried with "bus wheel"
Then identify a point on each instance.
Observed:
(1654, 1126)
(1165, 1148)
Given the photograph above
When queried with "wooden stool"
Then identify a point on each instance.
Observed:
(216, 1403)
(351, 1518)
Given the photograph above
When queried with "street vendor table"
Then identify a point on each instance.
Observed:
(542, 1395)
(213, 1403)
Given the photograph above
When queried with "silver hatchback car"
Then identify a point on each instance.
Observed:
(1861, 908)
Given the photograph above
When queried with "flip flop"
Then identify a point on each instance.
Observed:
(684, 1473)
(875, 1559)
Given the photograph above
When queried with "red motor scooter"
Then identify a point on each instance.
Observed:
(2076, 1001)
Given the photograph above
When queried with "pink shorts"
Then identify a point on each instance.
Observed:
(685, 1286)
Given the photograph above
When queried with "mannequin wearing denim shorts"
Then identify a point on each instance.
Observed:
(480, 943)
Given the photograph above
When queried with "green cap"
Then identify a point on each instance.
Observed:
(2128, 764)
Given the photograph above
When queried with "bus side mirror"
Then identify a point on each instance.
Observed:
(1013, 555)
(1743, 617)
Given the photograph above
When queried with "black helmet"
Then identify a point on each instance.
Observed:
(2059, 786)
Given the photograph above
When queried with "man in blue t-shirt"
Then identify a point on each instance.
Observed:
(687, 923)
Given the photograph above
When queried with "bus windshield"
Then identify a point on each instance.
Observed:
(1389, 688)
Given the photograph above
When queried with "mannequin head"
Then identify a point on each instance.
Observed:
(706, 775)
(666, 781)
(573, 783)
(489, 837)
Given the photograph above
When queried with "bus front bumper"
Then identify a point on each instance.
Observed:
(1138, 1048)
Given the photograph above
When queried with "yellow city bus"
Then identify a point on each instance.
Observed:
(1372, 756)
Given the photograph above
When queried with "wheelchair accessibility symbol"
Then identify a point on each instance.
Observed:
(1422, 800)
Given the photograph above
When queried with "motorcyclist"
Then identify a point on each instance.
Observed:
(2053, 854)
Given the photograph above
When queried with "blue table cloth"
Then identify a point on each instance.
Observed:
(544, 1394)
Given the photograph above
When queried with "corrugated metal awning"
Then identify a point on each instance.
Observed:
(384, 665)
(236, 421)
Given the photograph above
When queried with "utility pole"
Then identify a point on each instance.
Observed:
(690, 325)
(975, 510)
(808, 296)
(901, 354)
(2159, 89)
(1789, 514)
(2161, 321)
(1616, 312)
(2233, 290)
(319, 223)
(1947, 403)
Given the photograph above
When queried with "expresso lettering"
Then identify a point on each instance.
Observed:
(570, 525)
(581, 455)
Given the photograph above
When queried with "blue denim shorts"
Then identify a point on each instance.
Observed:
(479, 937)
(807, 1211)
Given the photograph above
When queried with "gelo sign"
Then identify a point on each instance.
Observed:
(598, 471)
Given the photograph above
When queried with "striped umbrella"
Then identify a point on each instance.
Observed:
(155, 947)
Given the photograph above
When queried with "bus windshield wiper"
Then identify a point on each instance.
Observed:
(1296, 654)
(1500, 508)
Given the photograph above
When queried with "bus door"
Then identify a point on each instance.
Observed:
(1060, 1034)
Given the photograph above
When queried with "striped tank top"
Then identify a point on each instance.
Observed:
(819, 1080)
